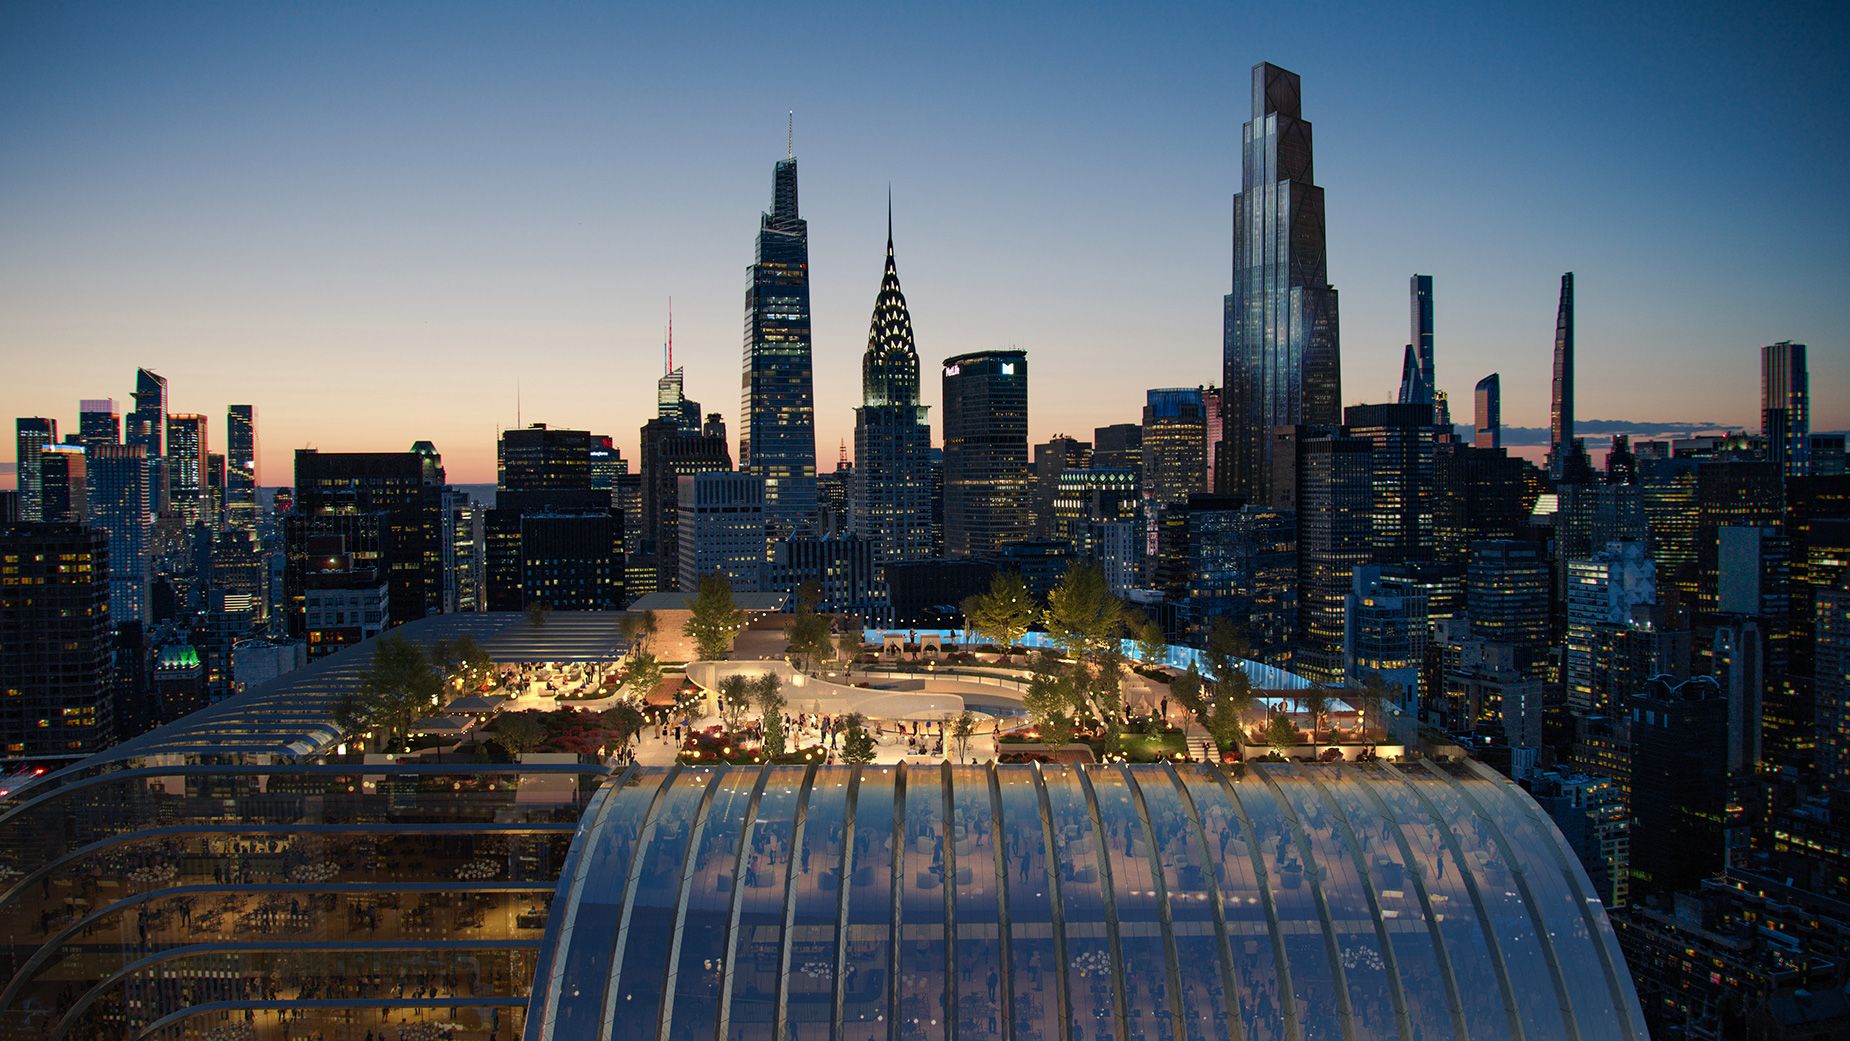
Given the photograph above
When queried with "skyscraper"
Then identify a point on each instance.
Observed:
(55, 643)
(387, 508)
(98, 422)
(31, 436)
(241, 479)
(147, 427)
(147, 424)
(890, 490)
(777, 430)
(1335, 475)
(1280, 348)
(668, 454)
(187, 448)
(1489, 412)
(985, 452)
(1785, 406)
(1561, 416)
(554, 538)
(119, 504)
(1418, 382)
(64, 485)
(1175, 455)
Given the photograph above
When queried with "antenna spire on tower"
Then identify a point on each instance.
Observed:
(790, 135)
(671, 334)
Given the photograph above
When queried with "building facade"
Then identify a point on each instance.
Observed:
(1281, 347)
(986, 501)
(889, 490)
(777, 429)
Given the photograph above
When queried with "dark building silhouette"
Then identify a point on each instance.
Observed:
(1335, 479)
(669, 454)
(1418, 381)
(1681, 789)
(1561, 415)
(55, 641)
(98, 422)
(1281, 348)
(1785, 407)
(550, 535)
(777, 427)
(1489, 409)
(32, 435)
(388, 509)
(986, 500)
(1052, 459)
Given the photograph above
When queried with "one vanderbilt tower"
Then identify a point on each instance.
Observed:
(1280, 352)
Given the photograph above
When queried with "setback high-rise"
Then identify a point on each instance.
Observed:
(1489, 412)
(387, 510)
(147, 427)
(890, 488)
(187, 448)
(1418, 384)
(986, 499)
(98, 422)
(32, 435)
(1561, 415)
(1280, 347)
(777, 430)
(241, 480)
(1785, 406)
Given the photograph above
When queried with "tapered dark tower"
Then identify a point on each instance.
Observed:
(777, 429)
(1280, 347)
(1418, 381)
(890, 495)
(1561, 415)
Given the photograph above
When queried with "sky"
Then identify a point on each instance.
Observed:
(382, 223)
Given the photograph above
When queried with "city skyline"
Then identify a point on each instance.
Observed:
(541, 268)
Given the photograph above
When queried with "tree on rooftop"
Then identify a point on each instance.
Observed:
(857, 745)
(399, 685)
(736, 697)
(962, 729)
(1004, 613)
(714, 618)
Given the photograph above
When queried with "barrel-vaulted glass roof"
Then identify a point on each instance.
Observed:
(1260, 903)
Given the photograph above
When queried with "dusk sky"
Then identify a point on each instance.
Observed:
(371, 221)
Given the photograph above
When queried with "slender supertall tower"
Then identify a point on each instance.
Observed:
(1785, 407)
(241, 466)
(1489, 412)
(889, 501)
(1418, 383)
(1280, 346)
(777, 430)
(1561, 416)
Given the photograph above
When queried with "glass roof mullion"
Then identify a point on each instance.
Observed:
(1312, 872)
(1211, 880)
(836, 1026)
(689, 858)
(1052, 863)
(1111, 903)
(780, 1018)
(896, 884)
(1164, 916)
(1285, 988)
(951, 1018)
(1006, 1014)
(646, 834)
(1543, 934)
(724, 1025)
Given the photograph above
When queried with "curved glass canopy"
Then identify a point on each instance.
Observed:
(1273, 901)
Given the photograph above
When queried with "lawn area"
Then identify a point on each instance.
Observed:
(1145, 748)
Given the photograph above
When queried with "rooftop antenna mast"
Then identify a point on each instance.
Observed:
(790, 135)
(671, 334)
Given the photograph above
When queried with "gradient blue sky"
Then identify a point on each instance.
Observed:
(372, 220)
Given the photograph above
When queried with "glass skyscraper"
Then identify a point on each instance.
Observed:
(1489, 412)
(1418, 380)
(777, 435)
(985, 452)
(1281, 343)
(32, 435)
(890, 500)
(241, 466)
